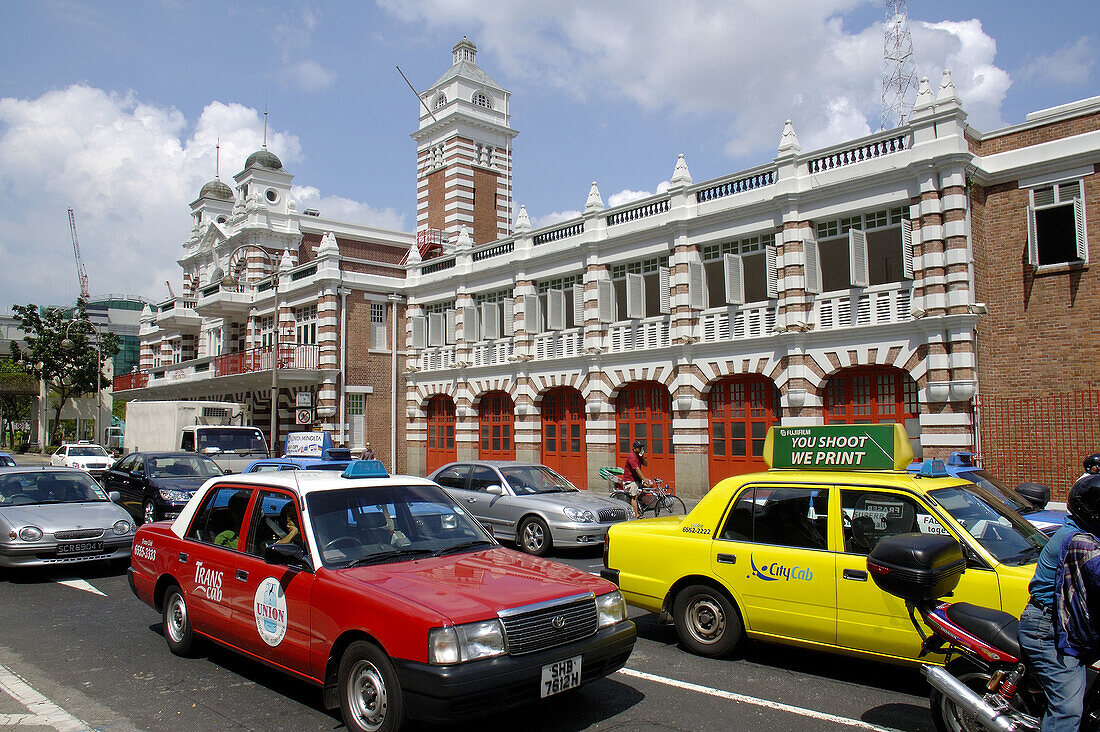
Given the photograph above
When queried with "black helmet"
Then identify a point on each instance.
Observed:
(637, 444)
(1084, 503)
(1092, 463)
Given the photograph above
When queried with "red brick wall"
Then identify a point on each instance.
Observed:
(1036, 135)
(485, 206)
(436, 185)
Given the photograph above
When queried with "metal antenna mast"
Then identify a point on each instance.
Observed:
(898, 68)
(81, 273)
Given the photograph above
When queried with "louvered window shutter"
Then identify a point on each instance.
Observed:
(665, 294)
(509, 306)
(471, 332)
(771, 264)
(419, 331)
(857, 258)
(907, 248)
(1032, 238)
(1082, 232)
(490, 320)
(697, 286)
(450, 329)
(735, 279)
(578, 306)
(635, 296)
(555, 310)
(605, 300)
(813, 266)
(436, 321)
(532, 323)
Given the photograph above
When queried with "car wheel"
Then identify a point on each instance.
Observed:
(371, 699)
(177, 622)
(534, 536)
(148, 512)
(706, 621)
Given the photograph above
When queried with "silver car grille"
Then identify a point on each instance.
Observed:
(611, 515)
(79, 534)
(546, 625)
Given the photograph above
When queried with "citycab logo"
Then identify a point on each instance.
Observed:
(775, 571)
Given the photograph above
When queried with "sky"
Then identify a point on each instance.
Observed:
(113, 109)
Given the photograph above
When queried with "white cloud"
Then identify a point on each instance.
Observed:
(626, 196)
(345, 209)
(555, 217)
(292, 37)
(1070, 65)
(309, 76)
(128, 169)
(965, 49)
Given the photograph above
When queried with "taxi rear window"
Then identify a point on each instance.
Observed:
(784, 516)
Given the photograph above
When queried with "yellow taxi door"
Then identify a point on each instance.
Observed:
(773, 550)
(869, 619)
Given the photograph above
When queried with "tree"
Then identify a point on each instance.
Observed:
(61, 350)
(17, 391)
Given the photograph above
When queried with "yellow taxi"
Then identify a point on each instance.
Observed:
(782, 555)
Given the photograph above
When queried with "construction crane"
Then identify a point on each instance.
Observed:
(81, 273)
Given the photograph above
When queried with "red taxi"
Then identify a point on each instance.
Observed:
(381, 590)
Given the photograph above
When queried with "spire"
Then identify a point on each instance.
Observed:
(414, 255)
(218, 159)
(948, 92)
(464, 243)
(924, 95)
(788, 141)
(286, 263)
(681, 175)
(265, 125)
(523, 221)
(594, 202)
(328, 245)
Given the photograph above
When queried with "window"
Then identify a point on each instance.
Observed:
(641, 289)
(267, 331)
(740, 271)
(378, 325)
(871, 516)
(440, 100)
(1056, 231)
(483, 100)
(860, 250)
(482, 477)
(794, 517)
(274, 518)
(356, 404)
(561, 301)
(220, 518)
(306, 325)
(454, 477)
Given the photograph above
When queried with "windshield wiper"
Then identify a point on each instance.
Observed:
(459, 547)
(387, 556)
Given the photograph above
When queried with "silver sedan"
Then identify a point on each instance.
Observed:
(530, 504)
(59, 516)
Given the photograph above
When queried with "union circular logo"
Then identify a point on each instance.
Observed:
(270, 611)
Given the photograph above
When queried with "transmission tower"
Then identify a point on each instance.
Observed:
(898, 68)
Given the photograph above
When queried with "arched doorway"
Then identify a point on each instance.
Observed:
(563, 434)
(740, 409)
(643, 411)
(441, 432)
(496, 421)
(874, 394)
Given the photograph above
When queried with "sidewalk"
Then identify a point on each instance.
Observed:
(30, 458)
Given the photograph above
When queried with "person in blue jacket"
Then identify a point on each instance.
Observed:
(1061, 669)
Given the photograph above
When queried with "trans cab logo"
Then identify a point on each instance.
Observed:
(776, 571)
(208, 582)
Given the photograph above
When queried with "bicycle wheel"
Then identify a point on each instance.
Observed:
(620, 495)
(671, 506)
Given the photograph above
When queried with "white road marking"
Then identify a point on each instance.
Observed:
(42, 710)
(722, 694)
(79, 584)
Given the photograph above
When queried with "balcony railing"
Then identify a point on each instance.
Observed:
(491, 352)
(291, 356)
(637, 335)
(437, 359)
(754, 320)
(136, 380)
(559, 344)
(870, 306)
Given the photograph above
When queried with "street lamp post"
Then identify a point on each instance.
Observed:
(228, 280)
(67, 344)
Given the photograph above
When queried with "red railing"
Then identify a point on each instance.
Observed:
(136, 380)
(291, 356)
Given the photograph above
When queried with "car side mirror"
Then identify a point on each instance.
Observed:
(136, 473)
(496, 490)
(287, 555)
(115, 496)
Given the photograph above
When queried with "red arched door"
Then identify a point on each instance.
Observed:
(872, 394)
(643, 411)
(563, 434)
(495, 424)
(441, 432)
(740, 410)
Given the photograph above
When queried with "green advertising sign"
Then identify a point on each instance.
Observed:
(839, 447)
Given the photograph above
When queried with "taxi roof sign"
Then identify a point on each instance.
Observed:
(839, 447)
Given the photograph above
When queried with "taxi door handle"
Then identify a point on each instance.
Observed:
(242, 575)
(183, 558)
(855, 574)
(727, 559)
(471, 500)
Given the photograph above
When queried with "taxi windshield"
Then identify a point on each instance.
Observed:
(527, 480)
(1005, 534)
(364, 525)
(90, 451)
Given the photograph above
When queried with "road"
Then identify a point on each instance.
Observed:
(79, 651)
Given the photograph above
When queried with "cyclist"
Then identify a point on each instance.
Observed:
(634, 479)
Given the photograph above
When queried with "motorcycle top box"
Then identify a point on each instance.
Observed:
(917, 567)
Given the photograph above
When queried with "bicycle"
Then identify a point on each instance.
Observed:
(655, 498)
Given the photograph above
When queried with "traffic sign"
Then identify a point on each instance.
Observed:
(303, 416)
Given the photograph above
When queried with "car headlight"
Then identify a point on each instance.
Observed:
(30, 533)
(461, 643)
(122, 527)
(576, 514)
(174, 496)
(611, 608)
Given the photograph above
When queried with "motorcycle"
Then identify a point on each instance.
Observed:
(985, 682)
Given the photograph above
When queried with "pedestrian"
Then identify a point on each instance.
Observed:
(368, 453)
(1057, 591)
(1092, 465)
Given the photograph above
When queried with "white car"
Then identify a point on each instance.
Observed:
(83, 456)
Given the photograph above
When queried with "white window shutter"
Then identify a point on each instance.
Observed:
(532, 322)
(450, 328)
(772, 266)
(665, 293)
(605, 300)
(697, 286)
(555, 310)
(635, 296)
(471, 332)
(436, 322)
(509, 305)
(490, 320)
(1082, 232)
(813, 265)
(1032, 238)
(857, 258)
(578, 305)
(735, 279)
(907, 248)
